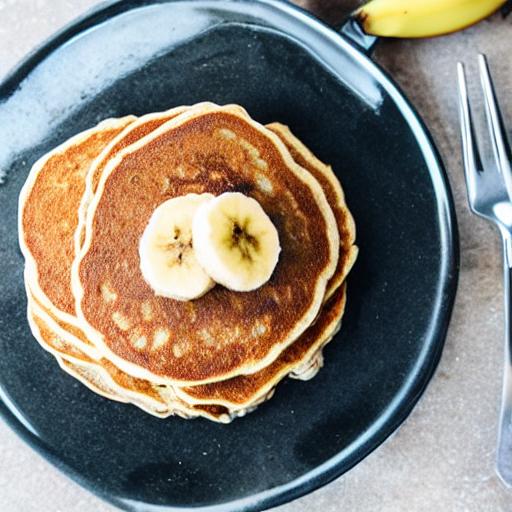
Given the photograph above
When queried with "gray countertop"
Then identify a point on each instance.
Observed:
(442, 458)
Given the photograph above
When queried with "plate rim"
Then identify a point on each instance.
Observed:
(447, 221)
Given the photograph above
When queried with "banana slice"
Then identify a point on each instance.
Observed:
(235, 241)
(167, 258)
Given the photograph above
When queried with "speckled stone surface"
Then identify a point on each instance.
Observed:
(443, 456)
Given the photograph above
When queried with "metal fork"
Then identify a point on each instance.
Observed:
(490, 196)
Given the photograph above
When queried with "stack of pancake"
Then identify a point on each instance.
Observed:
(83, 211)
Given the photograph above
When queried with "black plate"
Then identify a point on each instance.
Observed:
(281, 64)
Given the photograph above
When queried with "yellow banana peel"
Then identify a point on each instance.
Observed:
(422, 18)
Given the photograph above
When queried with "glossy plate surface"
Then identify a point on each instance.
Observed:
(280, 64)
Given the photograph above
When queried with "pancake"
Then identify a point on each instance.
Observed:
(305, 358)
(240, 394)
(74, 338)
(132, 133)
(306, 351)
(80, 154)
(302, 359)
(48, 248)
(52, 192)
(335, 197)
(105, 379)
(212, 150)
(96, 380)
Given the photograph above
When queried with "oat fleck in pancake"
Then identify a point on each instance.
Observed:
(223, 333)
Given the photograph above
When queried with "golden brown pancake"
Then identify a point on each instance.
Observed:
(214, 150)
(52, 192)
(73, 337)
(244, 389)
(258, 386)
(132, 133)
(301, 353)
(141, 127)
(105, 379)
(335, 196)
(237, 393)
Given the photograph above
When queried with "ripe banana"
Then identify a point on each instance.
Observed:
(235, 241)
(167, 258)
(422, 18)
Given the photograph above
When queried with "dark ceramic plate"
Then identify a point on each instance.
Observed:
(281, 64)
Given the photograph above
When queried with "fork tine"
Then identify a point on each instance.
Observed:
(500, 145)
(470, 153)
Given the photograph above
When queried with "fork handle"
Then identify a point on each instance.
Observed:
(504, 454)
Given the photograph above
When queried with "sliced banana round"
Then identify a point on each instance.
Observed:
(235, 241)
(167, 258)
